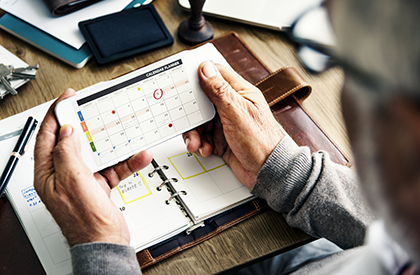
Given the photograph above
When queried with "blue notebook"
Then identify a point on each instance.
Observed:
(44, 41)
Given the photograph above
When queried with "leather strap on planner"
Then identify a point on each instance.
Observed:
(287, 82)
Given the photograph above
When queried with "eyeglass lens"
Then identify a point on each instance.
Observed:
(313, 32)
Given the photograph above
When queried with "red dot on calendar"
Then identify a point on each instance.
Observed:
(170, 125)
(113, 112)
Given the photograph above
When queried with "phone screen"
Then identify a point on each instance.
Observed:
(140, 111)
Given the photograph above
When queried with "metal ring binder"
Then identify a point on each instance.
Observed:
(168, 201)
(158, 168)
(159, 188)
(172, 191)
(194, 227)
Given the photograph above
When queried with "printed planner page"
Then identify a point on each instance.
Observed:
(209, 183)
(148, 217)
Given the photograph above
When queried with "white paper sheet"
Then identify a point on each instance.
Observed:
(65, 28)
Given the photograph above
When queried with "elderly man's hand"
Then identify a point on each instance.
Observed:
(244, 132)
(78, 199)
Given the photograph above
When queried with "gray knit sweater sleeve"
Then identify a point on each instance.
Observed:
(314, 194)
(104, 258)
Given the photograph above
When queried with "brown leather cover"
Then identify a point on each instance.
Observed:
(63, 7)
(283, 90)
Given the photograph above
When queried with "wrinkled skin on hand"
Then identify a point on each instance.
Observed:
(244, 131)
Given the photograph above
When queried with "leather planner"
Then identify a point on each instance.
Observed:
(284, 91)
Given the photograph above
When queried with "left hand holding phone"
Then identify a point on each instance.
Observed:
(78, 199)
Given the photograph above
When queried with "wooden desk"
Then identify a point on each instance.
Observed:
(263, 235)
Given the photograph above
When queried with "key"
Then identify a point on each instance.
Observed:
(19, 70)
(8, 73)
(17, 73)
(5, 72)
(15, 76)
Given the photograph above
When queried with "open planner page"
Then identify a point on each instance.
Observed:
(209, 183)
(149, 218)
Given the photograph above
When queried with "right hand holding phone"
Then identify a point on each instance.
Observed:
(244, 132)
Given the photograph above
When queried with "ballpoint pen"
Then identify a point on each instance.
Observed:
(19, 150)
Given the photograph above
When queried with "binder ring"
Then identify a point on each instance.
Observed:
(159, 188)
(165, 167)
(168, 201)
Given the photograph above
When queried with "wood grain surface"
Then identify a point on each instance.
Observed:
(263, 235)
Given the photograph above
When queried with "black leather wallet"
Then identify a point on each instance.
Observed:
(125, 33)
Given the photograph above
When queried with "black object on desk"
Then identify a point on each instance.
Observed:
(125, 33)
(195, 29)
(19, 150)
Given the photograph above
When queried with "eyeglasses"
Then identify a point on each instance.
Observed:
(316, 42)
(315, 39)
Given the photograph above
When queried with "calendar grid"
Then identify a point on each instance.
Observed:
(137, 112)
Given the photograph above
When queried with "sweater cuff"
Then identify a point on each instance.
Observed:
(104, 258)
(283, 175)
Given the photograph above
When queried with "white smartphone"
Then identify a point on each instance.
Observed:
(136, 111)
